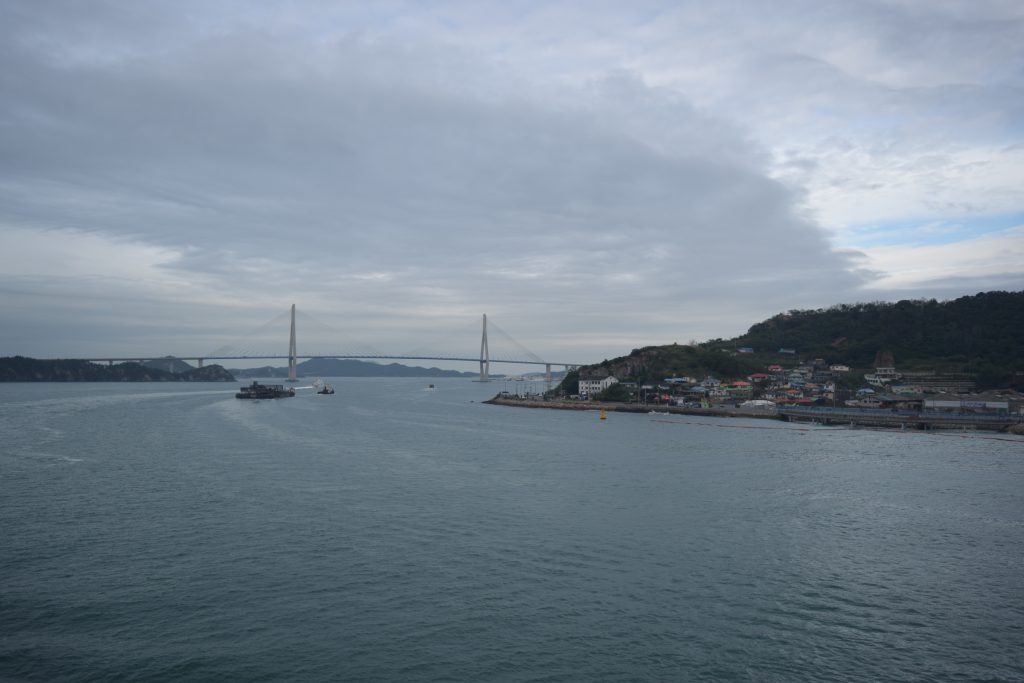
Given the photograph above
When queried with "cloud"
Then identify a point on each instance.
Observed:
(987, 262)
(594, 181)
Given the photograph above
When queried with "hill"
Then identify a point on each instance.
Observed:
(979, 334)
(982, 335)
(170, 364)
(347, 367)
(22, 369)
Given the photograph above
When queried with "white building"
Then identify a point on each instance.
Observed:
(595, 386)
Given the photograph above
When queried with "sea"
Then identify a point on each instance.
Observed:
(398, 532)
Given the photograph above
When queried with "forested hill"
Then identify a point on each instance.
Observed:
(981, 334)
(972, 333)
(21, 369)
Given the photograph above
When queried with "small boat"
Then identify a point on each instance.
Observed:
(322, 387)
(431, 386)
(257, 390)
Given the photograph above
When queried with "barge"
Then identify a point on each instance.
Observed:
(257, 390)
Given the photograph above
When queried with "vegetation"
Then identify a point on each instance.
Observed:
(981, 334)
(570, 384)
(652, 364)
(21, 369)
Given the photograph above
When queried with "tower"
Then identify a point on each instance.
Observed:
(291, 350)
(485, 358)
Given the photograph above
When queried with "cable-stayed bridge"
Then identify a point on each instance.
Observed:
(509, 350)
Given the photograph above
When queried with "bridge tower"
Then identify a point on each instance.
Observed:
(291, 350)
(485, 355)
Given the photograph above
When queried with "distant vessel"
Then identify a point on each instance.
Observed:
(257, 390)
(326, 389)
(430, 387)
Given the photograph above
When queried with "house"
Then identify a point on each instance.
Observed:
(791, 352)
(839, 368)
(882, 376)
(745, 349)
(589, 387)
(740, 389)
(866, 401)
(758, 403)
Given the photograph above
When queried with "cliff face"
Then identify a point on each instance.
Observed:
(21, 369)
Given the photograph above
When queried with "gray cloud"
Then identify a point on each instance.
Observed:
(402, 186)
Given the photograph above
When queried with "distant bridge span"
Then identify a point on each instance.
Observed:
(292, 356)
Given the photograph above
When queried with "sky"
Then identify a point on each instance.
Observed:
(593, 176)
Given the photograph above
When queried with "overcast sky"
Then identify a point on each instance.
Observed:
(593, 176)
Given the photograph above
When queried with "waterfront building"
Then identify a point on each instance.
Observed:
(588, 387)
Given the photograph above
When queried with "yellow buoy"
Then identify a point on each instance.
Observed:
(603, 416)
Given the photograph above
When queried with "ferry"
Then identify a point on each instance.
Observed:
(257, 390)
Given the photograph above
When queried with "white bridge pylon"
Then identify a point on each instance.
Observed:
(292, 353)
(485, 353)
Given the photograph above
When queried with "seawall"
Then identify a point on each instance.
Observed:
(826, 416)
(556, 404)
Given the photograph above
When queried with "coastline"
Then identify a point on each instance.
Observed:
(838, 417)
(559, 404)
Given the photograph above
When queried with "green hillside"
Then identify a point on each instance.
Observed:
(981, 334)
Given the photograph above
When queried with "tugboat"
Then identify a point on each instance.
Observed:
(257, 390)
(326, 389)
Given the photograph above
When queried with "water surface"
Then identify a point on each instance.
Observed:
(393, 532)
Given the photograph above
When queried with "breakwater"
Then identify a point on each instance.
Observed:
(897, 419)
(556, 404)
(827, 416)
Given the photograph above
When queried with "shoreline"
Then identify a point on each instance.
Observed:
(841, 417)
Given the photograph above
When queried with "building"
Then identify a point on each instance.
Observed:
(589, 387)
(934, 382)
(882, 376)
(998, 405)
